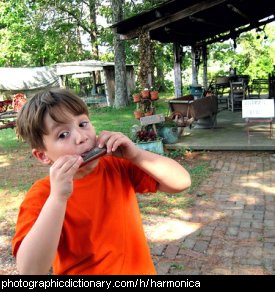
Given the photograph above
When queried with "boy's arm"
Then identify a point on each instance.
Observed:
(169, 174)
(38, 249)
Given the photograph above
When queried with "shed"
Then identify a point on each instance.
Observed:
(88, 69)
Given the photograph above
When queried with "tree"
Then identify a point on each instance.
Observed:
(121, 96)
(81, 13)
(33, 34)
(146, 60)
(254, 55)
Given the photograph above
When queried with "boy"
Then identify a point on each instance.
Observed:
(85, 219)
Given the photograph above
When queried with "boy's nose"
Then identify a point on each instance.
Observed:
(80, 137)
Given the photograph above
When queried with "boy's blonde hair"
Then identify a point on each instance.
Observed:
(30, 123)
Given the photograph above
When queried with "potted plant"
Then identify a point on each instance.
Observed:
(136, 95)
(168, 130)
(138, 114)
(148, 113)
(145, 138)
(154, 94)
(145, 93)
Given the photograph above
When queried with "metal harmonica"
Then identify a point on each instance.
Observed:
(94, 154)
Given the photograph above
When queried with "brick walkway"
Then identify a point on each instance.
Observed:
(231, 228)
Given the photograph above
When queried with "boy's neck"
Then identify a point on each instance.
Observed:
(87, 169)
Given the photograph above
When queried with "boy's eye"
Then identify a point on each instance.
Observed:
(83, 124)
(63, 135)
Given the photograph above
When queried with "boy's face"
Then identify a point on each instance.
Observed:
(75, 136)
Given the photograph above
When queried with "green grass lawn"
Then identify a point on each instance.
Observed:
(120, 120)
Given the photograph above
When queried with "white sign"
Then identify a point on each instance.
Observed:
(258, 108)
(154, 119)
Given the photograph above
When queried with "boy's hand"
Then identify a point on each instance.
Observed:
(118, 144)
(61, 175)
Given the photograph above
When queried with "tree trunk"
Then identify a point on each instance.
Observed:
(79, 47)
(121, 96)
(93, 36)
(93, 30)
(160, 79)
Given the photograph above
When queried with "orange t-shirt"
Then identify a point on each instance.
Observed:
(102, 231)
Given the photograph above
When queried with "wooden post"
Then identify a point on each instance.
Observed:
(204, 61)
(194, 67)
(177, 69)
(94, 83)
(61, 81)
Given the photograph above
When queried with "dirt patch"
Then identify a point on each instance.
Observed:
(18, 171)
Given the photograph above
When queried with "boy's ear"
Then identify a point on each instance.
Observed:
(41, 156)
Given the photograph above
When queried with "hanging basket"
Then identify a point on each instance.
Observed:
(154, 95)
(136, 97)
(145, 94)
(138, 114)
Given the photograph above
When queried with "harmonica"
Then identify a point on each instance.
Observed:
(93, 154)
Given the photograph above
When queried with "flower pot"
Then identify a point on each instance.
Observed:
(209, 93)
(145, 94)
(148, 114)
(136, 97)
(138, 114)
(152, 146)
(154, 95)
(169, 134)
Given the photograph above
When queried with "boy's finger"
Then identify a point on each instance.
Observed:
(61, 161)
(119, 141)
(69, 162)
(75, 166)
(103, 138)
(112, 140)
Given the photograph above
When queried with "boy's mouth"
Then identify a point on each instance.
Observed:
(93, 154)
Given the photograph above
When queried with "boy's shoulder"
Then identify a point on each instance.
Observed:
(115, 163)
(42, 183)
(40, 190)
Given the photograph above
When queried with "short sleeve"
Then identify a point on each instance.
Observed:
(30, 210)
(141, 181)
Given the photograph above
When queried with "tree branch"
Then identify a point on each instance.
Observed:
(80, 23)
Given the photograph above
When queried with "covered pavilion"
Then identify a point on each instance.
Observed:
(197, 23)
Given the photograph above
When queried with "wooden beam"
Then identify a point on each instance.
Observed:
(238, 11)
(236, 33)
(171, 31)
(201, 20)
(192, 36)
(203, 5)
(158, 14)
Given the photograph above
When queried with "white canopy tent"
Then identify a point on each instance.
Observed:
(16, 79)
